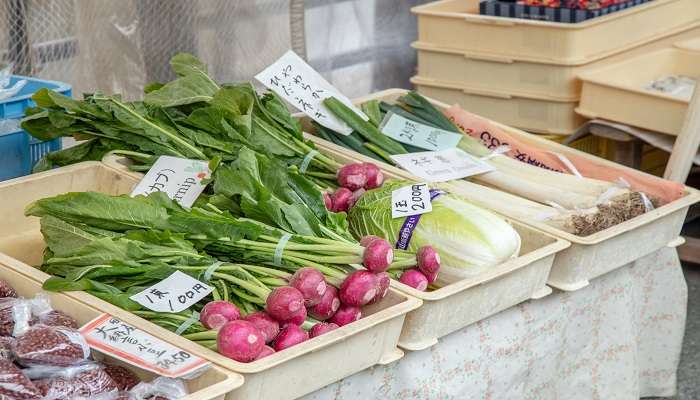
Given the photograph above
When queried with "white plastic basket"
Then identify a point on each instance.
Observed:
(292, 373)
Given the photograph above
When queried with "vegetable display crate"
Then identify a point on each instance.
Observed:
(457, 24)
(213, 384)
(618, 92)
(18, 150)
(544, 114)
(461, 302)
(690, 44)
(510, 75)
(588, 257)
(288, 374)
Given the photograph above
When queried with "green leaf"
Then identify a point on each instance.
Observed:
(56, 284)
(188, 89)
(63, 238)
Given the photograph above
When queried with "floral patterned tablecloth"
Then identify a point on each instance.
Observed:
(618, 338)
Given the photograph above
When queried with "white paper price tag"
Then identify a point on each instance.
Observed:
(111, 336)
(416, 134)
(411, 200)
(295, 81)
(441, 166)
(173, 294)
(180, 178)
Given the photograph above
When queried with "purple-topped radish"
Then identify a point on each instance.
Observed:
(384, 281)
(216, 314)
(428, 260)
(374, 175)
(321, 328)
(327, 201)
(266, 351)
(355, 197)
(346, 315)
(268, 326)
(352, 176)
(341, 199)
(240, 340)
(284, 302)
(366, 240)
(289, 336)
(432, 277)
(311, 283)
(378, 255)
(414, 279)
(297, 319)
(329, 304)
(359, 288)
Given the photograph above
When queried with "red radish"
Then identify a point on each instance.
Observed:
(366, 240)
(328, 306)
(359, 288)
(383, 288)
(341, 199)
(311, 283)
(378, 255)
(432, 277)
(375, 178)
(346, 315)
(289, 336)
(266, 351)
(298, 318)
(352, 176)
(414, 279)
(216, 314)
(428, 260)
(321, 328)
(284, 302)
(240, 340)
(268, 326)
(355, 197)
(327, 201)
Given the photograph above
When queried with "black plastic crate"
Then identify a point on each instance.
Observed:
(510, 9)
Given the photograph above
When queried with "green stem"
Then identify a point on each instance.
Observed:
(206, 335)
(257, 290)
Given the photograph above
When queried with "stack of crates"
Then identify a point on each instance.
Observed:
(19, 151)
(523, 73)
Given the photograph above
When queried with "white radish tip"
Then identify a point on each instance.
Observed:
(321, 288)
(389, 255)
(252, 338)
(294, 306)
(422, 286)
(369, 295)
(335, 304)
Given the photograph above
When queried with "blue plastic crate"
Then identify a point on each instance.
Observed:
(19, 151)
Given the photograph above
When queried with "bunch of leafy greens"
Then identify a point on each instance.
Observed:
(190, 117)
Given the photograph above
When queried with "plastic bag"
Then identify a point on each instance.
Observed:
(161, 388)
(51, 345)
(122, 377)
(14, 384)
(78, 382)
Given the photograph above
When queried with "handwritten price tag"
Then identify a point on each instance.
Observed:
(416, 134)
(295, 81)
(180, 178)
(111, 336)
(411, 200)
(173, 294)
(441, 166)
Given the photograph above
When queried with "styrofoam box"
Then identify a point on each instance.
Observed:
(510, 75)
(213, 384)
(457, 24)
(285, 375)
(617, 92)
(588, 257)
(535, 114)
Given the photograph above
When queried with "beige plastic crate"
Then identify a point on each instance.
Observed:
(286, 375)
(212, 384)
(616, 92)
(535, 114)
(461, 302)
(588, 257)
(691, 44)
(510, 75)
(457, 24)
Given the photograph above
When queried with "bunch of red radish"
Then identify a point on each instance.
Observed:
(354, 180)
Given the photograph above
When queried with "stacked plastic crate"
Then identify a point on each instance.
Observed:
(18, 150)
(523, 72)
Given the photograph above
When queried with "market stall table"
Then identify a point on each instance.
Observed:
(619, 338)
